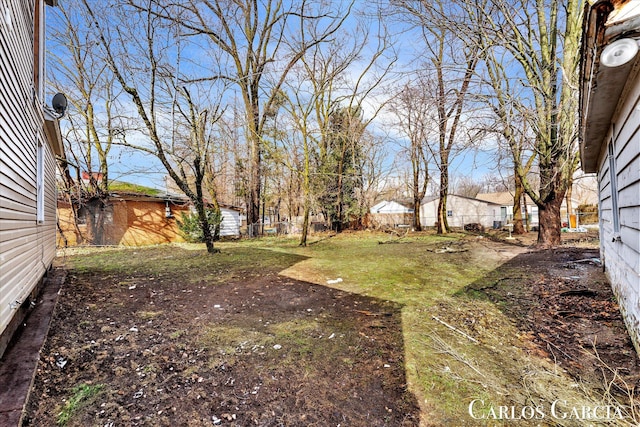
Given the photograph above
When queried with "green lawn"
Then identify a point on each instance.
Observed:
(458, 345)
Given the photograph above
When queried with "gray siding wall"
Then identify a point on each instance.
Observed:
(620, 251)
(27, 248)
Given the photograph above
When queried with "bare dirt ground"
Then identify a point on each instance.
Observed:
(569, 310)
(565, 309)
(263, 349)
(259, 349)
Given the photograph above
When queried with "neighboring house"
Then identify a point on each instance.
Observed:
(86, 177)
(609, 132)
(391, 214)
(504, 211)
(133, 219)
(461, 210)
(29, 143)
(529, 209)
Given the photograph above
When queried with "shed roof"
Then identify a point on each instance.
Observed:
(385, 205)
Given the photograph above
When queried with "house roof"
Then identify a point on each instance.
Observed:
(149, 198)
(434, 198)
(602, 86)
(162, 197)
(502, 198)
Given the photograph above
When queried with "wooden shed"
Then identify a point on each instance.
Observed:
(29, 143)
(132, 219)
(609, 142)
(128, 219)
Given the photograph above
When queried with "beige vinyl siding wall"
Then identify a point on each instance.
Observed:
(465, 210)
(26, 247)
(622, 257)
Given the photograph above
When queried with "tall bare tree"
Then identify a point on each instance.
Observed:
(78, 70)
(139, 60)
(451, 57)
(513, 127)
(535, 43)
(413, 107)
(260, 46)
(324, 101)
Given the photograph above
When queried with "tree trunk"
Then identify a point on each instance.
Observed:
(518, 227)
(339, 200)
(568, 198)
(417, 194)
(206, 230)
(442, 225)
(211, 188)
(201, 209)
(305, 225)
(526, 215)
(549, 233)
(255, 183)
(416, 214)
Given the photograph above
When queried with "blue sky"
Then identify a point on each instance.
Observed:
(144, 169)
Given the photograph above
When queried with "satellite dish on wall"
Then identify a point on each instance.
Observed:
(59, 103)
(619, 53)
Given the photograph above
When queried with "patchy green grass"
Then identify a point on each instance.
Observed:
(445, 369)
(459, 346)
(82, 396)
(163, 261)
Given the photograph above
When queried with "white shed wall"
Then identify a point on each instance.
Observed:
(230, 225)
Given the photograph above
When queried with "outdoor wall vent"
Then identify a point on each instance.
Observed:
(619, 53)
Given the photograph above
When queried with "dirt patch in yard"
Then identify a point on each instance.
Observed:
(563, 306)
(215, 346)
(167, 336)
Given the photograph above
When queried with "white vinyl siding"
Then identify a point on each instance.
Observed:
(613, 193)
(230, 225)
(619, 194)
(27, 173)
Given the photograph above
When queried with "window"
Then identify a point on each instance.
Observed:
(503, 212)
(40, 183)
(613, 182)
(449, 213)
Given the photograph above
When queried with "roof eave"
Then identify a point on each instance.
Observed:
(601, 87)
(53, 134)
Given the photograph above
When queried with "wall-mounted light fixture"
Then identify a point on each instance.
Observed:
(619, 52)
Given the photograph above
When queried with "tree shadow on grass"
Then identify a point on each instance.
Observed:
(182, 338)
